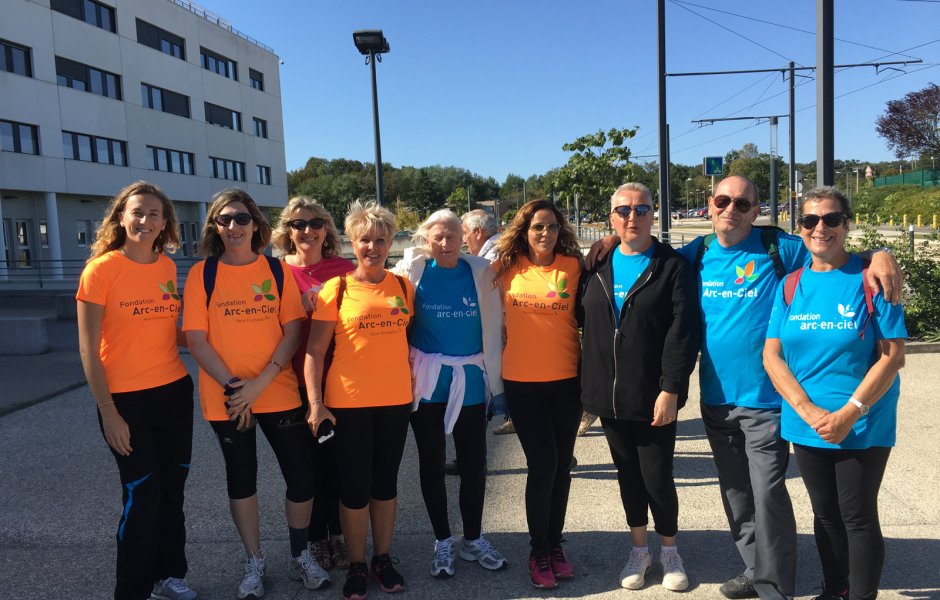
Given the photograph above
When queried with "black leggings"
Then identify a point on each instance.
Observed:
(368, 446)
(151, 535)
(843, 489)
(470, 444)
(291, 445)
(643, 456)
(324, 518)
(546, 416)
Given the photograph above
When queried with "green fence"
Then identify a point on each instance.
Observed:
(923, 178)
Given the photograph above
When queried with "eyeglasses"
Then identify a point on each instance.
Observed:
(833, 219)
(742, 204)
(540, 227)
(624, 211)
(226, 220)
(300, 224)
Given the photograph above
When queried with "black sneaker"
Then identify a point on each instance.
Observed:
(357, 577)
(384, 574)
(833, 596)
(739, 587)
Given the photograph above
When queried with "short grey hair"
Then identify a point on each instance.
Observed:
(480, 219)
(445, 216)
(633, 186)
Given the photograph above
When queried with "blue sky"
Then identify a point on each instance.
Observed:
(497, 86)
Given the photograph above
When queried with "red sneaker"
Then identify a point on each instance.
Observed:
(561, 568)
(540, 572)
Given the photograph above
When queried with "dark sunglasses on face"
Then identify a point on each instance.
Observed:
(540, 227)
(641, 210)
(742, 204)
(300, 224)
(833, 219)
(226, 220)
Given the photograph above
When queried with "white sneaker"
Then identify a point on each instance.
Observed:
(633, 575)
(252, 585)
(481, 551)
(172, 588)
(306, 568)
(443, 563)
(674, 577)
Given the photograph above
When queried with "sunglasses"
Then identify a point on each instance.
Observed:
(226, 220)
(641, 210)
(300, 224)
(833, 219)
(742, 204)
(540, 227)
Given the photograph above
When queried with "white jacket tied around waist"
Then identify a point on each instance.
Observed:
(426, 370)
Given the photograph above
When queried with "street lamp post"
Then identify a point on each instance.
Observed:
(372, 43)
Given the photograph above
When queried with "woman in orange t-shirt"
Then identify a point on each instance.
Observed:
(242, 318)
(367, 395)
(538, 269)
(127, 311)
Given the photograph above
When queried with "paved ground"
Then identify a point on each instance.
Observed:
(61, 501)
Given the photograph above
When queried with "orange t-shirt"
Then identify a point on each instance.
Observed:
(138, 333)
(244, 328)
(370, 361)
(541, 327)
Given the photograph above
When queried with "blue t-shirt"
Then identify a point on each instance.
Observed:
(447, 321)
(819, 333)
(627, 268)
(736, 288)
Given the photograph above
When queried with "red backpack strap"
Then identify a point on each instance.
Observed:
(869, 302)
(789, 285)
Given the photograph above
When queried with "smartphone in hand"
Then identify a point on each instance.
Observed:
(325, 431)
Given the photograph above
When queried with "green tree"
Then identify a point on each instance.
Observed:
(599, 163)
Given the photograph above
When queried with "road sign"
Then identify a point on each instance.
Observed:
(713, 165)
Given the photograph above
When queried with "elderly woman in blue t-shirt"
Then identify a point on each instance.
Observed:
(456, 355)
(833, 351)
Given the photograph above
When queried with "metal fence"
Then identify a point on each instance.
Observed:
(923, 178)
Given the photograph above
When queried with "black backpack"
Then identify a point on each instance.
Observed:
(211, 269)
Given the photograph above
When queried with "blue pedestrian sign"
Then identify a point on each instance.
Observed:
(713, 165)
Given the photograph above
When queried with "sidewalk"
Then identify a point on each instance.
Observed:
(61, 502)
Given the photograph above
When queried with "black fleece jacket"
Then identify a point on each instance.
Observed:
(627, 359)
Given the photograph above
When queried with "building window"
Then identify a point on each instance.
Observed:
(264, 175)
(227, 169)
(79, 146)
(164, 100)
(257, 79)
(217, 63)
(43, 234)
(160, 39)
(219, 115)
(81, 77)
(19, 137)
(15, 59)
(86, 234)
(171, 161)
(93, 13)
(261, 127)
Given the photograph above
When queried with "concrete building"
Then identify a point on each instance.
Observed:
(96, 94)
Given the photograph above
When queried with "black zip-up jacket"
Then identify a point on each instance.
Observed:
(627, 359)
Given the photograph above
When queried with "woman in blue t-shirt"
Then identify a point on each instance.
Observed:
(833, 351)
(456, 357)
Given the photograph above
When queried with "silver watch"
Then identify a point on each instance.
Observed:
(862, 407)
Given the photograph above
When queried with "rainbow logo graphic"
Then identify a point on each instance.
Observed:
(263, 291)
(398, 305)
(169, 290)
(559, 289)
(746, 274)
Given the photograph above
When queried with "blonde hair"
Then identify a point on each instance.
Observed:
(370, 216)
(280, 238)
(514, 241)
(211, 242)
(111, 235)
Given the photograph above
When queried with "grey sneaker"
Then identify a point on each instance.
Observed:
(481, 551)
(443, 563)
(252, 584)
(305, 568)
(633, 575)
(172, 588)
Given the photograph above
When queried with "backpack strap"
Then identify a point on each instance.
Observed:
(790, 283)
(869, 302)
(769, 237)
(278, 271)
(209, 271)
(404, 289)
(700, 252)
(340, 293)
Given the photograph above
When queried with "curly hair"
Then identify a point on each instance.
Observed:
(280, 238)
(514, 240)
(210, 244)
(111, 235)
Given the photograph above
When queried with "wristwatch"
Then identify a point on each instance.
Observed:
(862, 408)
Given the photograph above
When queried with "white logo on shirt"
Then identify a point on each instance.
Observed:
(846, 311)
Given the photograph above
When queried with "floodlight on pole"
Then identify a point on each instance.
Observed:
(372, 44)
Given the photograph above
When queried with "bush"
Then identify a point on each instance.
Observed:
(880, 204)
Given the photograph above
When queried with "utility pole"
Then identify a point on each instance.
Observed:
(663, 126)
(825, 128)
(791, 195)
(773, 170)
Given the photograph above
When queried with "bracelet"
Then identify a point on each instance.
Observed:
(105, 403)
(274, 362)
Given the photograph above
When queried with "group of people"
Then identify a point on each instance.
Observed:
(523, 323)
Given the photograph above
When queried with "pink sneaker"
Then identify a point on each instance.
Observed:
(540, 572)
(561, 568)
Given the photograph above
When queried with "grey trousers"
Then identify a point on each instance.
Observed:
(752, 458)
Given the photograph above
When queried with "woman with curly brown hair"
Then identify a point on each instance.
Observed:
(538, 269)
(128, 306)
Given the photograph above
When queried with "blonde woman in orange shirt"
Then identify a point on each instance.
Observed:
(538, 269)
(128, 306)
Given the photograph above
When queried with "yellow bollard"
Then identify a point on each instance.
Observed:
(858, 218)
(891, 222)
(904, 221)
(935, 221)
(920, 220)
